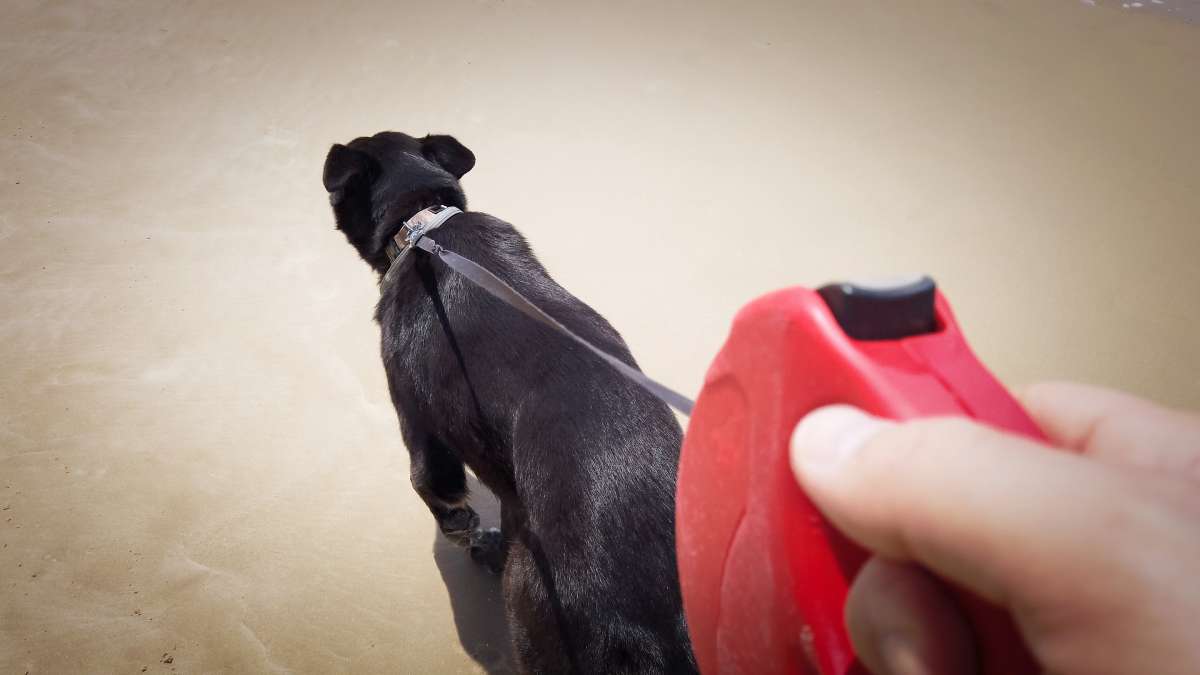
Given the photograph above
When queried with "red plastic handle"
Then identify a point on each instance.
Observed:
(764, 577)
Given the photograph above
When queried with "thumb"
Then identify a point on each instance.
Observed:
(993, 512)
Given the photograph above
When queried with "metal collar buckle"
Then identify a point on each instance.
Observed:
(413, 229)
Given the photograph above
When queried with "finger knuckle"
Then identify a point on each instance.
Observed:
(936, 435)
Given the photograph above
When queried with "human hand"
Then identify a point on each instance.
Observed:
(1094, 551)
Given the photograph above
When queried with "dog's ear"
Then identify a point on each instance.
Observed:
(345, 167)
(448, 153)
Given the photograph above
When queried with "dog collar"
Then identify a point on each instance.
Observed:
(413, 229)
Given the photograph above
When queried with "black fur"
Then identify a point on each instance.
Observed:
(582, 460)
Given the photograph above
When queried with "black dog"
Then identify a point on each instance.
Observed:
(583, 461)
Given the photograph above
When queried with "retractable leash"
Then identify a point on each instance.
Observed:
(764, 577)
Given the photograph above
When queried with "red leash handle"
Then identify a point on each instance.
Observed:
(764, 577)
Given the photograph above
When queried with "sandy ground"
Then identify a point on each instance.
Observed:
(200, 470)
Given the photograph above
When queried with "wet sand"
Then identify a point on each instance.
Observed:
(200, 470)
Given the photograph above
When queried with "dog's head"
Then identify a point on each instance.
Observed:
(376, 182)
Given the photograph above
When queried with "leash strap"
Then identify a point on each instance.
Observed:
(493, 284)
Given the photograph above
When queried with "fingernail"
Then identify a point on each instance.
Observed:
(901, 657)
(827, 437)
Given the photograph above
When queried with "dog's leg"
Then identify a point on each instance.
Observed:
(438, 477)
(489, 547)
(534, 617)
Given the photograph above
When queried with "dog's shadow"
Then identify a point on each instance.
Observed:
(475, 595)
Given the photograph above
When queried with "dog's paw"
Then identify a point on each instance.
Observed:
(487, 548)
(460, 525)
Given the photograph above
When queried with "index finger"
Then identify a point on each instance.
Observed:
(1116, 427)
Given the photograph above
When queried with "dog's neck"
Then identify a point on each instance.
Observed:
(403, 212)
